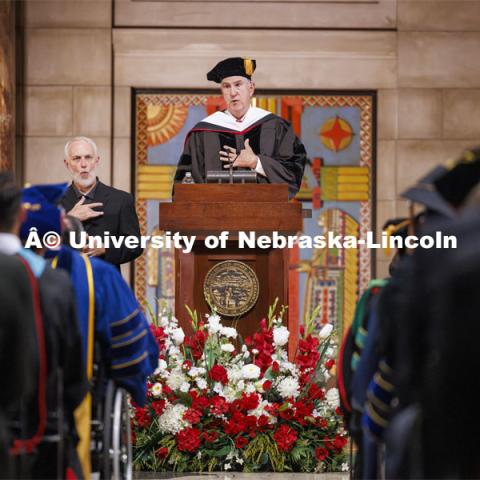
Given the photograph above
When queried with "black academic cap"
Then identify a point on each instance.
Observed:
(425, 193)
(462, 176)
(230, 67)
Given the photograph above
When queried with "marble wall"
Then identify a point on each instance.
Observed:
(421, 56)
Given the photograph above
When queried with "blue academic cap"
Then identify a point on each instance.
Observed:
(425, 193)
(40, 203)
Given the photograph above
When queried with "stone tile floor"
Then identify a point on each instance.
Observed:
(242, 476)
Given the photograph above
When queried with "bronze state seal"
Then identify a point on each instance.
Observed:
(232, 287)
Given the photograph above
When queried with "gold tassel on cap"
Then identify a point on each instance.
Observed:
(248, 65)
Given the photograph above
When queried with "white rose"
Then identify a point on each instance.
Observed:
(228, 332)
(178, 336)
(326, 330)
(288, 387)
(332, 397)
(280, 336)
(227, 347)
(250, 371)
(214, 324)
(156, 389)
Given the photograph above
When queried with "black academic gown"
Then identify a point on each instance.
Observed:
(272, 138)
(18, 352)
(119, 219)
(65, 350)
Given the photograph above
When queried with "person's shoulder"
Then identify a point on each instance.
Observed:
(112, 191)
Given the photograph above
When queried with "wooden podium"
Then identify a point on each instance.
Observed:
(209, 209)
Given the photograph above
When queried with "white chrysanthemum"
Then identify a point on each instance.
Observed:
(227, 347)
(176, 380)
(316, 413)
(250, 371)
(280, 336)
(240, 385)
(171, 421)
(289, 367)
(228, 332)
(230, 394)
(234, 374)
(345, 467)
(156, 389)
(185, 387)
(214, 324)
(326, 330)
(201, 383)
(178, 336)
(193, 372)
(332, 397)
(288, 387)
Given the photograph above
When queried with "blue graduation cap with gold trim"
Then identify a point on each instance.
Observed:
(40, 203)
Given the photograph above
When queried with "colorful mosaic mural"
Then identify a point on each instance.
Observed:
(337, 131)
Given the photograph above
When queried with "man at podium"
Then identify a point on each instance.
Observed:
(242, 136)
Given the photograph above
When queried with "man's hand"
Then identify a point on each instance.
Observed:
(85, 212)
(246, 157)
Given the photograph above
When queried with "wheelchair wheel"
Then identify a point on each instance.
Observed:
(117, 457)
(121, 438)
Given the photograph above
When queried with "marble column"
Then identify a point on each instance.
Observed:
(7, 84)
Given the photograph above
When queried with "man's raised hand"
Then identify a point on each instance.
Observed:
(246, 157)
(85, 212)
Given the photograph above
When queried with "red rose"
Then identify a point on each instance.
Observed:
(248, 402)
(200, 403)
(158, 406)
(287, 414)
(240, 442)
(275, 367)
(143, 418)
(210, 437)
(267, 385)
(329, 364)
(263, 421)
(315, 392)
(339, 443)
(218, 374)
(285, 438)
(161, 452)
(188, 439)
(218, 405)
(321, 453)
(193, 416)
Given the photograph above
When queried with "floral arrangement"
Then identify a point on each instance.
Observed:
(218, 403)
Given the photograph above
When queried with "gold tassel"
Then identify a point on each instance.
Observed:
(248, 65)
